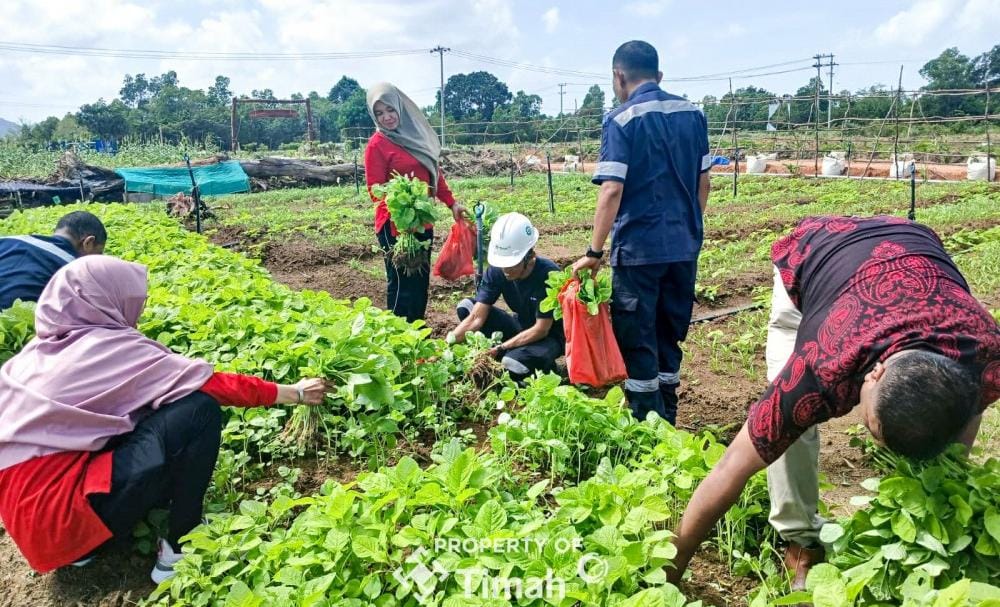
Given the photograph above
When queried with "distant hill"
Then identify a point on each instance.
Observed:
(7, 126)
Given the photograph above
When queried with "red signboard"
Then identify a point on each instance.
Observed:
(274, 113)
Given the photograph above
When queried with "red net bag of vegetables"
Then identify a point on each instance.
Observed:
(592, 354)
(455, 260)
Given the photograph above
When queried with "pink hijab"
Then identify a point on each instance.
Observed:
(89, 374)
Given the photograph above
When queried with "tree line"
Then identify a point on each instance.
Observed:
(480, 108)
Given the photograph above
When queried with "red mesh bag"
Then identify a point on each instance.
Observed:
(455, 260)
(592, 354)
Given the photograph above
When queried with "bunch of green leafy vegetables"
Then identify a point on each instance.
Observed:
(17, 327)
(411, 209)
(593, 291)
(406, 536)
(939, 520)
(827, 586)
(565, 435)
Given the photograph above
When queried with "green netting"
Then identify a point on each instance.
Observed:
(213, 179)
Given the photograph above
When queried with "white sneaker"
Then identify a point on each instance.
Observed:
(166, 558)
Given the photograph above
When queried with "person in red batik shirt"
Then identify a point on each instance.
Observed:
(869, 313)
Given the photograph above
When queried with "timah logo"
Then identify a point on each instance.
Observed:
(421, 580)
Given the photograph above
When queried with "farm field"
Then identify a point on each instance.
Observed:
(414, 448)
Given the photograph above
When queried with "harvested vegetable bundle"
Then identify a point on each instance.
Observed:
(411, 209)
(592, 293)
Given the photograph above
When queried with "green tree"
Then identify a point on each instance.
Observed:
(105, 120)
(803, 110)
(70, 129)
(986, 68)
(135, 90)
(343, 90)
(593, 102)
(475, 95)
(525, 106)
(40, 133)
(219, 93)
(352, 116)
(950, 70)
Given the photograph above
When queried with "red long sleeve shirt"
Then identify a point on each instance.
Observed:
(383, 159)
(43, 501)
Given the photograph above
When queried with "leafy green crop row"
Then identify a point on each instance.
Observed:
(939, 521)
(454, 534)
(210, 303)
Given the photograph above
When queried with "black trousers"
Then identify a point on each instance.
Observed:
(520, 362)
(405, 296)
(660, 296)
(166, 461)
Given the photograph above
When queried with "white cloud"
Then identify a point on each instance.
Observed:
(734, 30)
(647, 8)
(912, 26)
(551, 19)
(979, 16)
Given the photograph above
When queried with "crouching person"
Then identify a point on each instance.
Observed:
(99, 424)
(533, 340)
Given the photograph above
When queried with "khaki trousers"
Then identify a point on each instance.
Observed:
(792, 480)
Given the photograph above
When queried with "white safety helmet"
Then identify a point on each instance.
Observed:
(511, 238)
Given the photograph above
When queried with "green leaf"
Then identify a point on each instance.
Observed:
(903, 526)
(794, 598)
(992, 523)
(934, 567)
(830, 533)
(963, 512)
(893, 552)
(931, 543)
(240, 595)
(491, 517)
(367, 547)
(537, 489)
(955, 595)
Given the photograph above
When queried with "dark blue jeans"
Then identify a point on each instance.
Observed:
(405, 296)
(660, 296)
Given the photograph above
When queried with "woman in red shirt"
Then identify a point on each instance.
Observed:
(99, 424)
(403, 143)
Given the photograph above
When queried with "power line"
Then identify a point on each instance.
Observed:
(526, 66)
(54, 49)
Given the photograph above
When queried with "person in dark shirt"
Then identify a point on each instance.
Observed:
(28, 262)
(869, 313)
(533, 340)
(654, 176)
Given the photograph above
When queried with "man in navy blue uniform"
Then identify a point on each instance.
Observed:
(653, 173)
(28, 262)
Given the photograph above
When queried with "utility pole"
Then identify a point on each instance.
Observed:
(829, 94)
(819, 82)
(440, 50)
(562, 92)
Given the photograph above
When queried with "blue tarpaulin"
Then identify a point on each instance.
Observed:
(220, 178)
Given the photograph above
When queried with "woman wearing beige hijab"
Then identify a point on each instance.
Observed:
(405, 143)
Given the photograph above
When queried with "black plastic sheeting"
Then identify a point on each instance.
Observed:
(30, 194)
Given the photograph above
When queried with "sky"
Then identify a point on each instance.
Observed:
(870, 40)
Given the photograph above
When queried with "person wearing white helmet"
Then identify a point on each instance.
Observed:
(533, 340)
